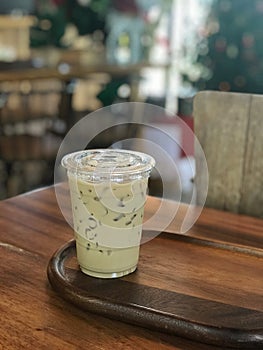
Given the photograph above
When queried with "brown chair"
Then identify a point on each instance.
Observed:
(229, 127)
(29, 112)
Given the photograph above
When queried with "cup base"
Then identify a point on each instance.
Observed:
(108, 274)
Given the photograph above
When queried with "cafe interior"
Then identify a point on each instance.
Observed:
(62, 60)
(181, 81)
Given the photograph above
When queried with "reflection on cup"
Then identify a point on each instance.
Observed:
(108, 192)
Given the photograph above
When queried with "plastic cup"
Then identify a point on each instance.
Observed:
(108, 192)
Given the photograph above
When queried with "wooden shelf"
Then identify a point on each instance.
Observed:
(15, 37)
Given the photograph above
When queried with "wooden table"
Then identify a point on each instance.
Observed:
(219, 261)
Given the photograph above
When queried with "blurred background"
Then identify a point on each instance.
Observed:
(63, 59)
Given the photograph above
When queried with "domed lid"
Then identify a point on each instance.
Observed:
(114, 164)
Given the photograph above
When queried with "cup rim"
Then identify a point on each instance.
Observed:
(75, 164)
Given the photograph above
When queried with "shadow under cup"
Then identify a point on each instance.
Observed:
(108, 193)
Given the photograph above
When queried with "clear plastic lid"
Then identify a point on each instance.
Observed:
(105, 164)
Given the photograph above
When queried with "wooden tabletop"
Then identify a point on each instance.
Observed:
(219, 260)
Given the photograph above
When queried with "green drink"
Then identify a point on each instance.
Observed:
(108, 192)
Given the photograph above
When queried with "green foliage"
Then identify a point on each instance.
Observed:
(87, 19)
(109, 94)
(55, 20)
(232, 50)
(100, 7)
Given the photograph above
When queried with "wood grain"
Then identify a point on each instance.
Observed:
(252, 188)
(160, 308)
(31, 312)
(229, 129)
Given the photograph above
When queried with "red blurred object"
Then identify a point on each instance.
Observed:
(187, 146)
(58, 2)
(127, 6)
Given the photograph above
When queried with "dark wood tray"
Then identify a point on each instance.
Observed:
(183, 286)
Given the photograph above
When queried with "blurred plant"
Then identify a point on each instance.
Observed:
(229, 52)
(51, 21)
(54, 15)
(88, 16)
